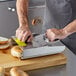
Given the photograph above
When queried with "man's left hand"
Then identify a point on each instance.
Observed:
(54, 33)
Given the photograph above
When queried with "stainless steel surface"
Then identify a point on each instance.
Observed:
(42, 40)
(8, 19)
(6, 0)
(39, 41)
(64, 70)
(41, 51)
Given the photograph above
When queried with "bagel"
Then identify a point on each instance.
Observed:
(17, 72)
(16, 51)
(2, 71)
(4, 46)
(3, 40)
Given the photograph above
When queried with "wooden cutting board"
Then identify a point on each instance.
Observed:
(7, 61)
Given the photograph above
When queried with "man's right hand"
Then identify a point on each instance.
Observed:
(23, 32)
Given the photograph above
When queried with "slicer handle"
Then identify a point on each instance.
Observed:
(47, 40)
(56, 39)
(27, 39)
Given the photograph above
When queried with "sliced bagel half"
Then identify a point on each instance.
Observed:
(3, 40)
(4, 46)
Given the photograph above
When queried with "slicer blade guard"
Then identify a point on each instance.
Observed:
(41, 51)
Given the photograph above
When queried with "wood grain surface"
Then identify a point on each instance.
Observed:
(7, 61)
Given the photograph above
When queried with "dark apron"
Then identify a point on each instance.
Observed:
(70, 41)
(57, 14)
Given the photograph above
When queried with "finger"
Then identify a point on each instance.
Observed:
(30, 39)
(46, 34)
(21, 35)
(49, 36)
(25, 36)
(17, 33)
(52, 40)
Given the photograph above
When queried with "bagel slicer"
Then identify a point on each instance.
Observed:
(41, 46)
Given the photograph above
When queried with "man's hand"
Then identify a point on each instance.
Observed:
(54, 33)
(23, 32)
